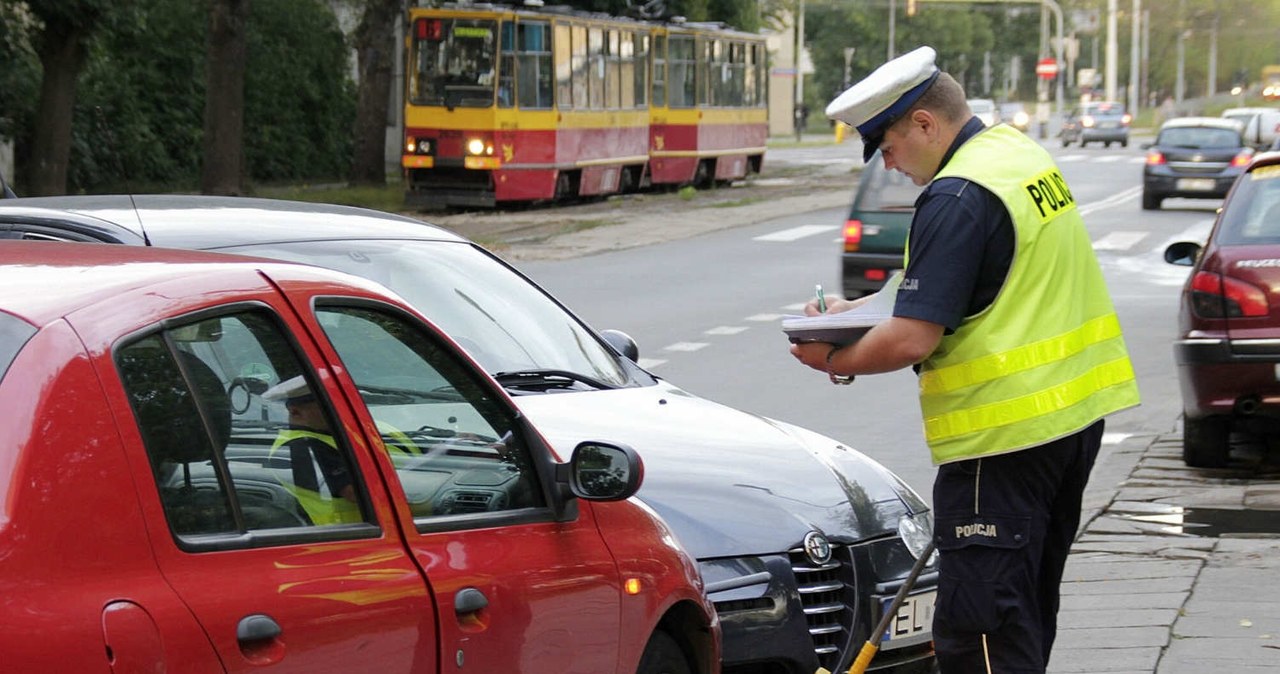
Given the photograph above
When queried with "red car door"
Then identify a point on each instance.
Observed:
(273, 585)
(518, 588)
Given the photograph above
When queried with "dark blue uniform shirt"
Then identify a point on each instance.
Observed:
(961, 246)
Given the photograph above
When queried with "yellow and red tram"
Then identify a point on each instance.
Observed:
(508, 104)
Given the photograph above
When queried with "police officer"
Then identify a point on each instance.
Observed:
(1003, 312)
(321, 476)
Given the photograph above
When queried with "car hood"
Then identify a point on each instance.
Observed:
(729, 483)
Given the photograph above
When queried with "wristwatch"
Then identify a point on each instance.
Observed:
(836, 378)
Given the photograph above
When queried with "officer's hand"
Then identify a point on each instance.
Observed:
(813, 354)
(834, 306)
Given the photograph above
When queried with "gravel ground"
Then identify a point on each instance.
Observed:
(614, 223)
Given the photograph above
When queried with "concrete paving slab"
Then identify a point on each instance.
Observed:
(1091, 618)
(1228, 656)
(1118, 569)
(1068, 660)
(1122, 602)
(1138, 586)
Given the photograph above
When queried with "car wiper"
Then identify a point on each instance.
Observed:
(547, 378)
(386, 395)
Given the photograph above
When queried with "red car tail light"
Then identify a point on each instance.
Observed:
(1241, 160)
(1127, 119)
(852, 235)
(1217, 296)
(1155, 158)
(1086, 121)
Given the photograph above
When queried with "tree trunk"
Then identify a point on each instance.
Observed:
(375, 54)
(62, 55)
(223, 169)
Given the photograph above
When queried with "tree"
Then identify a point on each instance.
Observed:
(62, 46)
(375, 56)
(227, 54)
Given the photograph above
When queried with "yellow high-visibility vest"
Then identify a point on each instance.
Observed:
(321, 507)
(1047, 358)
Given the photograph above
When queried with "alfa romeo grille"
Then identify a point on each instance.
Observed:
(825, 594)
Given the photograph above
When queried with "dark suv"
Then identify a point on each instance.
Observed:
(1103, 122)
(1228, 349)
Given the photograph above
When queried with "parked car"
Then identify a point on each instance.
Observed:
(802, 541)
(1015, 114)
(1193, 158)
(153, 521)
(1229, 320)
(985, 109)
(875, 233)
(1103, 122)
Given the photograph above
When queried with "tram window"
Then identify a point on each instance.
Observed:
(595, 68)
(534, 67)
(453, 62)
(580, 63)
(683, 69)
(750, 73)
(737, 73)
(627, 87)
(564, 68)
(613, 68)
(642, 70)
(507, 66)
(659, 71)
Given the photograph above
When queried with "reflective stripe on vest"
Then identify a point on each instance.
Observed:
(1047, 357)
(320, 508)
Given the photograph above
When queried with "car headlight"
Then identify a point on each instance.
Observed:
(916, 531)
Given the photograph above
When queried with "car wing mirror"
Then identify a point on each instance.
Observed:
(622, 343)
(603, 471)
(1182, 253)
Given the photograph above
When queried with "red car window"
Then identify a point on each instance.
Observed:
(237, 438)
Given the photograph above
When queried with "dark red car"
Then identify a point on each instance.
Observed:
(158, 514)
(1228, 349)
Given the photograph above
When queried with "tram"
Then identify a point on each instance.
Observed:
(507, 104)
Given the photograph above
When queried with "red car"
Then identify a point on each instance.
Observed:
(1228, 350)
(220, 464)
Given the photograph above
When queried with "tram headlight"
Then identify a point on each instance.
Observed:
(417, 145)
(478, 147)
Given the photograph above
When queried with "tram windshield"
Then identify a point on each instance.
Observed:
(453, 62)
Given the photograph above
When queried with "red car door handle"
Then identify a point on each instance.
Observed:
(469, 600)
(257, 627)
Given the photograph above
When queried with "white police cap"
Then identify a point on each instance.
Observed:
(293, 389)
(881, 98)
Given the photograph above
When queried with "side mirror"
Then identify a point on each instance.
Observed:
(622, 343)
(1182, 253)
(601, 471)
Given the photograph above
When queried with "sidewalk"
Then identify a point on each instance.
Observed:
(1161, 580)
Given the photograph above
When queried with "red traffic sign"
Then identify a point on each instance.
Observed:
(1047, 68)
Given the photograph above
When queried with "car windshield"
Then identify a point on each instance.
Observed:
(502, 320)
(885, 190)
(1253, 214)
(1200, 137)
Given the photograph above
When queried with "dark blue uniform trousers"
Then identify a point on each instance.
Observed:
(1003, 527)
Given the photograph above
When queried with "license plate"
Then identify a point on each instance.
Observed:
(914, 619)
(1196, 184)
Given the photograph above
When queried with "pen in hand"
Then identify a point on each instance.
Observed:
(822, 299)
